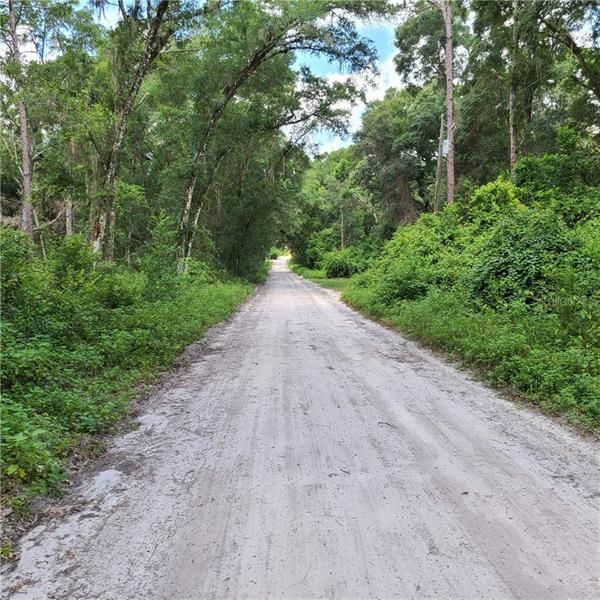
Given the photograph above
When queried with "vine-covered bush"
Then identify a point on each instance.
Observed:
(341, 263)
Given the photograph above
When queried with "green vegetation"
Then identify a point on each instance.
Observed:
(150, 170)
(507, 279)
(78, 339)
(493, 254)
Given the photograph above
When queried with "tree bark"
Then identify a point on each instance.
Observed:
(69, 217)
(26, 220)
(438, 168)
(449, 59)
(512, 94)
(405, 210)
(105, 212)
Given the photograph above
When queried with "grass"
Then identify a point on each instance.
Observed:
(319, 277)
(337, 283)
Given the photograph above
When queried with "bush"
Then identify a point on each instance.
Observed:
(519, 258)
(16, 251)
(199, 272)
(340, 263)
(490, 201)
(77, 337)
(557, 171)
(578, 205)
(430, 253)
(319, 244)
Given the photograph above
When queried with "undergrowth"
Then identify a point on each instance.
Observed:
(79, 336)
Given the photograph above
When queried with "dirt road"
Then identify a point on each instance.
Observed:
(310, 453)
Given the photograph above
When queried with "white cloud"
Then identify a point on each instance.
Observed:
(387, 78)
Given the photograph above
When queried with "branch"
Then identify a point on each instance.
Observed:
(565, 38)
(48, 223)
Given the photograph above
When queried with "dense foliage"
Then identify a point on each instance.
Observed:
(526, 82)
(508, 279)
(78, 337)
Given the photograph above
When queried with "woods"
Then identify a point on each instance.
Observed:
(150, 163)
(154, 106)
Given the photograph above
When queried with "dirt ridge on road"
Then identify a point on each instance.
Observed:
(308, 452)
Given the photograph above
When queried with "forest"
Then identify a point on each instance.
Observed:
(150, 168)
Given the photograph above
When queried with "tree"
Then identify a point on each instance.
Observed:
(426, 34)
(446, 9)
(276, 29)
(398, 143)
(35, 34)
(150, 32)
(26, 220)
(561, 20)
(512, 122)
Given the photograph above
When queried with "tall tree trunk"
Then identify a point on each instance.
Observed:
(26, 221)
(69, 217)
(512, 122)
(438, 168)
(342, 227)
(446, 9)
(405, 209)
(104, 221)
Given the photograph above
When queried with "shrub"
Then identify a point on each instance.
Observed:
(340, 263)
(575, 206)
(488, 202)
(116, 286)
(535, 174)
(518, 258)
(319, 244)
(16, 251)
(430, 253)
(200, 272)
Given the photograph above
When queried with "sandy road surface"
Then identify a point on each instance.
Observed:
(310, 453)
